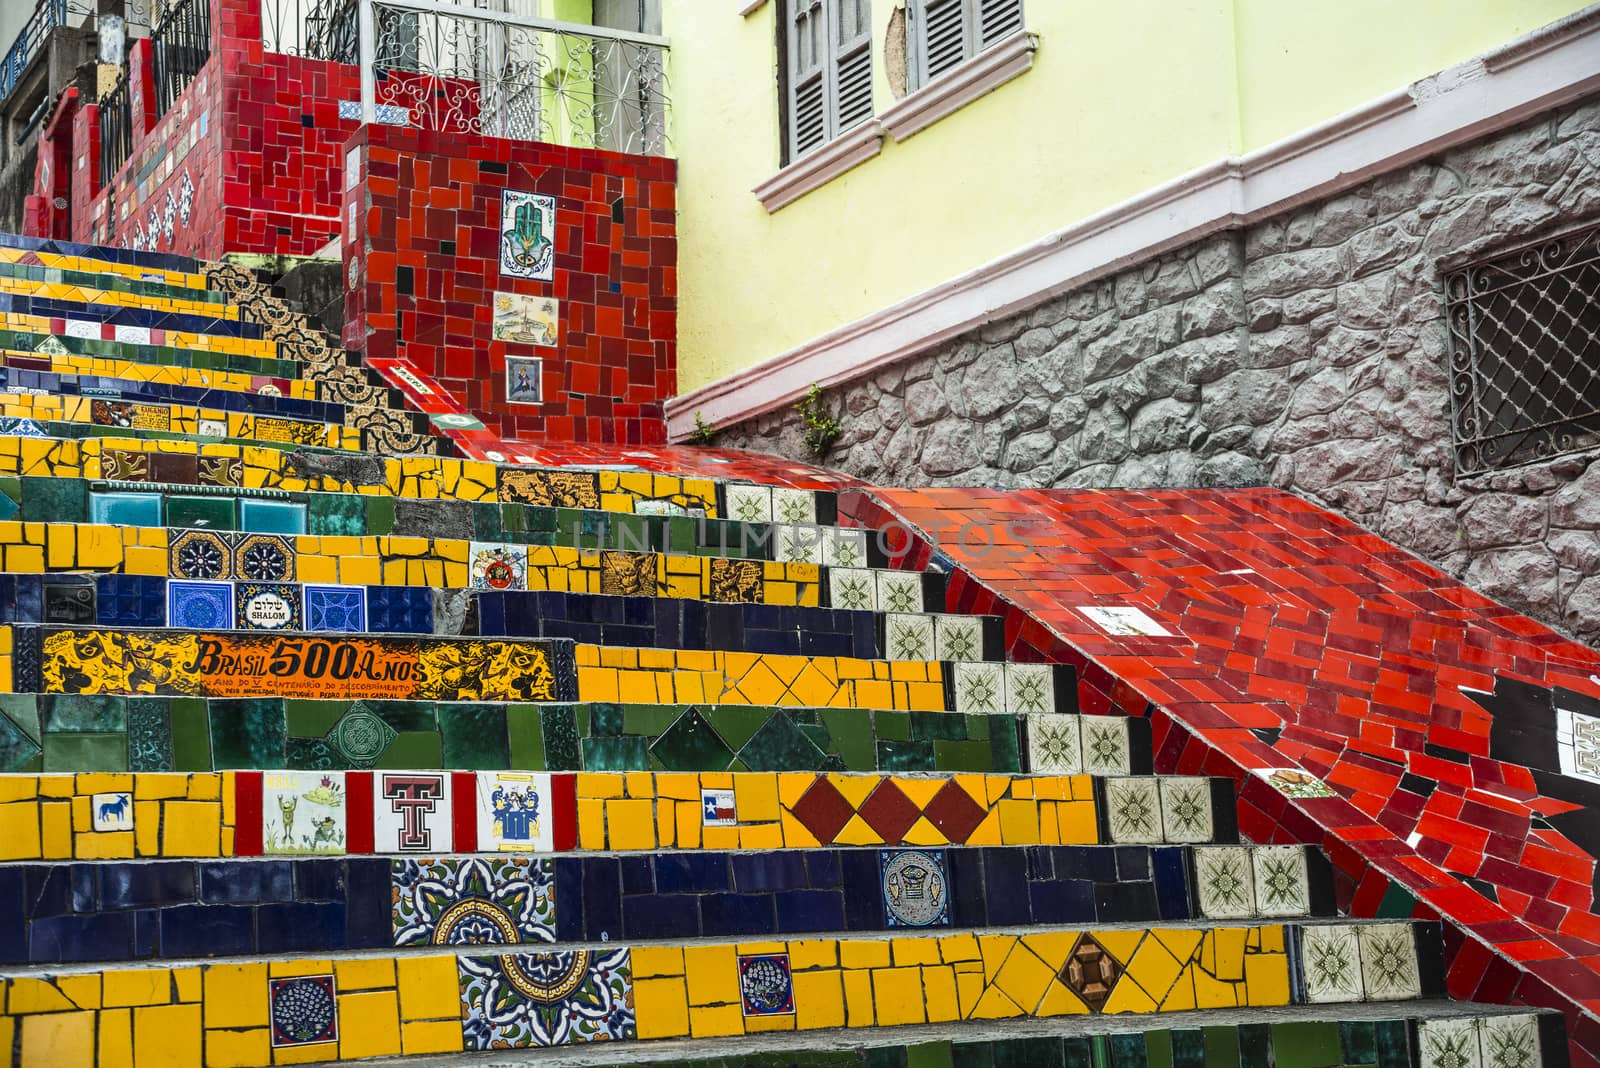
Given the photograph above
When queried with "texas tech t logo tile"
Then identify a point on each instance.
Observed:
(410, 811)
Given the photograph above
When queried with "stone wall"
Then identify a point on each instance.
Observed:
(1309, 351)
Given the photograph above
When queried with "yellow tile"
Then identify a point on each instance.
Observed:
(818, 999)
(101, 782)
(187, 982)
(863, 953)
(369, 1024)
(56, 821)
(591, 824)
(690, 823)
(720, 837)
(1181, 998)
(191, 829)
(718, 1020)
(631, 824)
(1266, 979)
(713, 975)
(83, 990)
(661, 1007)
(897, 996)
(958, 947)
(167, 1036)
(19, 831)
(1212, 993)
(105, 845)
(857, 832)
(363, 973)
(1228, 943)
(116, 1039)
(1019, 822)
(1076, 820)
(994, 1005)
(428, 987)
(1129, 997)
(1059, 1001)
(429, 1036)
(18, 787)
(1023, 978)
(756, 796)
(206, 787)
(138, 986)
(679, 786)
(858, 998)
(236, 995)
(766, 836)
(152, 786)
(29, 996)
(650, 961)
(57, 1040)
(1154, 968)
(987, 832)
(914, 951)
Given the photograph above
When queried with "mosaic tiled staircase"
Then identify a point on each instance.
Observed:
(297, 736)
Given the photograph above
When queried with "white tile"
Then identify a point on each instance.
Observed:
(1223, 882)
(793, 505)
(1451, 1043)
(958, 637)
(1389, 961)
(1106, 748)
(853, 588)
(1030, 688)
(797, 544)
(844, 547)
(748, 504)
(980, 689)
(1510, 1041)
(1186, 809)
(514, 812)
(411, 812)
(1053, 746)
(907, 636)
(1133, 810)
(1330, 958)
(1283, 886)
(900, 591)
(303, 812)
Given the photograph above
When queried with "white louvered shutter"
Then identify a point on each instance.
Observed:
(808, 76)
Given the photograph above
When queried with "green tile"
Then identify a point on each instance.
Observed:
(1028, 1053)
(487, 521)
(883, 1057)
(605, 720)
(560, 731)
(380, 516)
(336, 515)
(414, 749)
(929, 1055)
(1306, 1044)
(1127, 1051)
(1359, 1042)
(246, 733)
(928, 726)
(406, 715)
(780, 745)
(1075, 1050)
(63, 500)
(191, 734)
(86, 752)
(1220, 1046)
(312, 719)
(214, 513)
(895, 726)
(149, 734)
(538, 518)
(83, 713)
(1393, 1039)
(527, 739)
(850, 736)
(475, 737)
(737, 725)
(962, 756)
(1164, 1049)
(311, 754)
(615, 754)
(1003, 744)
(905, 756)
(1397, 903)
(648, 721)
(16, 747)
(691, 744)
(1256, 1042)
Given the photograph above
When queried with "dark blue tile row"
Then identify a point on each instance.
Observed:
(119, 315)
(159, 393)
(158, 260)
(62, 913)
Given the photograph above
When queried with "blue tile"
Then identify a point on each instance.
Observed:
(809, 911)
(822, 868)
(737, 914)
(1005, 881)
(337, 608)
(200, 605)
(638, 875)
(1085, 862)
(369, 921)
(101, 936)
(1133, 862)
(569, 899)
(658, 916)
(691, 873)
(271, 517)
(1062, 901)
(602, 899)
(768, 871)
(125, 509)
(247, 882)
(146, 934)
(207, 931)
(324, 880)
(124, 886)
(1172, 882)
(1124, 902)
(863, 901)
(13, 930)
(299, 927)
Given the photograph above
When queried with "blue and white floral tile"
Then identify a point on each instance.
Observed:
(462, 901)
(560, 998)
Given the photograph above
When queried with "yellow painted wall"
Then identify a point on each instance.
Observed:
(1122, 97)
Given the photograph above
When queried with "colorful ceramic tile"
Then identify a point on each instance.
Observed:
(1030, 689)
(524, 381)
(112, 812)
(1282, 881)
(855, 589)
(908, 636)
(980, 688)
(524, 320)
(1510, 1041)
(1106, 747)
(1389, 961)
(842, 547)
(360, 736)
(1090, 972)
(514, 812)
(1330, 959)
(1578, 744)
(338, 608)
(268, 606)
(766, 988)
(793, 505)
(1186, 809)
(916, 891)
(200, 554)
(200, 605)
(1293, 782)
(523, 1000)
(527, 235)
(304, 1010)
(748, 504)
(1133, 810)
(213, 428)
(497, 566)
(1223, 882)
(899, 591)
(958, 638)
(1449, 1043)
(263, 558)
(470, 901)
(302, 812)
(410, 811)
(797, 544)
(717, 808)
(1053, 744)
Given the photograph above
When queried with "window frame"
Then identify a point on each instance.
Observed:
(831, 57)
(917, 76)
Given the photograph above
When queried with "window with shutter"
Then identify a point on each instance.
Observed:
(946, 33)
(828, 71)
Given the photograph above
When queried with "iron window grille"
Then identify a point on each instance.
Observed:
(116, 129)
(1525, 352)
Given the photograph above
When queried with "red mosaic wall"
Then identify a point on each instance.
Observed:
(426, 268)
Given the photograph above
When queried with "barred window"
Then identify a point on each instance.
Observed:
(1525, 352)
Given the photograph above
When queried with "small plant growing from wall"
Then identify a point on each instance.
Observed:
(703, 433)
(821, 429)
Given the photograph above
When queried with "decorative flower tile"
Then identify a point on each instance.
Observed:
(916, 891)
(765, 986)
(263, 558)
(899, 591)
(1450, 1043)
(907, 636)
(1330, 958)
(302, 812)
(797, 544)
(844, 547)
(268, 606)
(980, 688)
(200, 605)
(793, 505)
(467, 901)
(562, 998)
(1133, 810)
(1510, 1041)
(1106, 748)
(340, 608)
(411, 810)
(852, 588)
(498, 566)
(514, 812)
(1186, 808)
(1222, 881)
(1389, 961)
(1283, 884)
(957, 637)
(304, 1010)
(1053, 744)
(1030, 689)
(200, 554)
(748, 504)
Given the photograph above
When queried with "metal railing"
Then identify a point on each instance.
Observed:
(316, 29)
(450, 67)
(30, 39)
(1525, 352)
(116, 129)
(181, 44)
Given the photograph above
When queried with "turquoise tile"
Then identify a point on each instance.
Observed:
(125, 509)
(272, 517)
